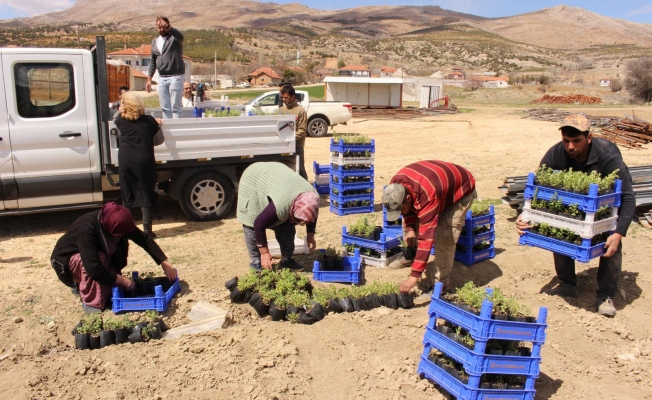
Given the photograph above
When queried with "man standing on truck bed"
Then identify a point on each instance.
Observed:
(582, 152)
(291, 105)
(167, 58)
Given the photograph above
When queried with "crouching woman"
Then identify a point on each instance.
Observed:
(94, 250)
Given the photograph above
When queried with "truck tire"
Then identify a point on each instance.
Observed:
(317, 127)
(207, 196)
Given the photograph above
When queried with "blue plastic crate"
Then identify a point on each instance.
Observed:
(158, 302)
(382, 246)
(321, 169)
(352, 210)
(487, 219)
(470, 258)
(475, 362)
(351, 273)
(588, 203)
(470, 240)
(581, 253)
(342, 173)
(322, 189)
(343, 148)
(342, 187)
(471, 390)
(357, 197)
(482, 327)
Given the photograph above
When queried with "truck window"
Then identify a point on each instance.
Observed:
(269, 100)
(44, 89)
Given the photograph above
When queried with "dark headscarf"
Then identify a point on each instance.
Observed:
(116, 219)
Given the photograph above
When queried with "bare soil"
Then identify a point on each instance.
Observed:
(372, 354)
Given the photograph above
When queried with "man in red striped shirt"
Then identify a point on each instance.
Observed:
(428, 194)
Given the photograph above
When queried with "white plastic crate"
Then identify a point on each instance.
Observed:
(323, 179)
(339, 160)
(586, 229)
(300, 247)
(381, 262)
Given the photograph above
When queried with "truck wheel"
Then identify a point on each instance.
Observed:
(207, 196)
(317, 127)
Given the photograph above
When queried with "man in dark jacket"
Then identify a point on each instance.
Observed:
(581, 152)
(167, 58)
(292, 106)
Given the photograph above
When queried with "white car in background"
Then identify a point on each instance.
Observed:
(243, 85)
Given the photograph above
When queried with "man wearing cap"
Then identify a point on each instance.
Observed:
(581, 152)
(433, 196)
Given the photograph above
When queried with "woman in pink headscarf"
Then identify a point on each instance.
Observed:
(94, 250)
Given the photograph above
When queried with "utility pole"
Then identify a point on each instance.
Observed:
(215, 76)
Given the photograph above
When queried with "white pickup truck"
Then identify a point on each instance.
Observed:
(59, 146)
(321, 114)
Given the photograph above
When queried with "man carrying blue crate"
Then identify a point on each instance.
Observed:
(433, 197)
(581, 152)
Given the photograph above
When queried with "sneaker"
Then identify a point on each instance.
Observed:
(256, 267)
(292, 265)
(563, 290)
(605, 307)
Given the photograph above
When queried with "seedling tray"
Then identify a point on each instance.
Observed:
(585, 229)
(452, 385)
(488, 219)
(343, 173)
(479, 363)
(351, 273)
(320, 169)
(470, 240)
(343, 148)
(341, 187)
(472, 258)
(158, 302)
(351, 210)
(482, 327)
(588, 203)
(582, 253)
(382, 245)
(356, 197)
(381, 262)
(322, 189)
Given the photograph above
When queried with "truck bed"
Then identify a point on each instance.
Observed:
(202, 139)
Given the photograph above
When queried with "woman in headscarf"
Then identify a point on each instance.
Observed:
(136, 162)
(272, 196)
(94, 250)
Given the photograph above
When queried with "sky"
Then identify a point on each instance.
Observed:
(631, 10)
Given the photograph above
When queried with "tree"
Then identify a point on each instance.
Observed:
(288, 75)
(474, 84)
(341, 64)
(638, 79)
(616, 85)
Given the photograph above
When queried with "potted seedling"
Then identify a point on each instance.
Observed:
(464, 338)
(387, 293)
(405, 300)
(345, 300)
(92, 325)
(154, 324)
(326, 297)
(479, 208)
(409, 252)
(139, 333)
(606, 185)
(297, 301)
(602, 213)
(245, 288)
(330, 259)
(371, 298)
(83, 331)
(107, 334)
(278, 308)
(231, 284)
(358, 294)
(122, 330)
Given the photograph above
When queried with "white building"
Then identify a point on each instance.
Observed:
(140, 57)
(365, 91)
(605, 82)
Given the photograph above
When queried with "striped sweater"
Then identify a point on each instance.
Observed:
(434, 186)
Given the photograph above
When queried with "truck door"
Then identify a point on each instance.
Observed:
(8, 192)
(267, 104)
(48, 125)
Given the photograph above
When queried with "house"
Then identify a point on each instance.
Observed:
(224, 81)
(140, 80)
(323, 72)
(605, 82)
(355, 70)
(427, 90)
(387, 71)
(140, 57)
(494, 82)
(263, 77)
(456, 75)
(365, 91)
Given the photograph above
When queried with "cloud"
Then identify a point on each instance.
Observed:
(643, 10)
(27, 8)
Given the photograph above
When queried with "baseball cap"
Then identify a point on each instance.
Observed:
(393, 196)
(577, 121)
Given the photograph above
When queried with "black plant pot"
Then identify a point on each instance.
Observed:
(409, 252)
(136, 335)
(291, 310)
(94, 342)
(405, 300)
(147, 288)
(305, 319)
(499, 386)
(231, 284)
(334, 306)
(500, 317)
(163, 325)
(107, 338)
(524, 352)
(248, 296)
(82, 341)
(121, 335)
(391, 301)
(512, 353)
(346, 304)
(449, 370)
(74, 330)
(452, 336)
(261, 308)
(530, 319)
(155, 331)
(316, 312)
(464, 380)
(443, 329)
(485, 385)
(438, 362)
(455, 374)
(333, 264)
(376, 235)
(496, 352)
(360, 304)
(254, 299)
(372, 301)
(237, 296)
(277, 314)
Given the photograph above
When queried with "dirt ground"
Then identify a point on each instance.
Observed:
(372, 354)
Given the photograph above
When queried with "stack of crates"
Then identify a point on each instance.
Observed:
(480, 366)
(470, 247)
(322, 178)
(586, 228)
(384, 247)
(352, 178)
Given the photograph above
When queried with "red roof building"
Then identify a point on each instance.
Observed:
(263, 77)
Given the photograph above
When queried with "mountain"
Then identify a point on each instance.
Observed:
(557, 27)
